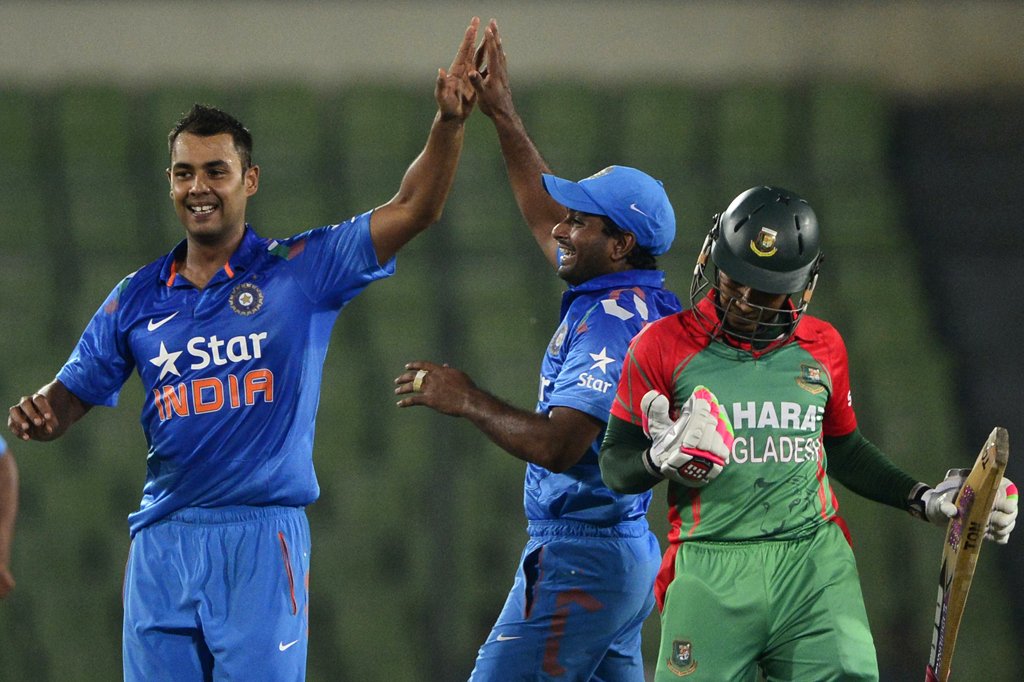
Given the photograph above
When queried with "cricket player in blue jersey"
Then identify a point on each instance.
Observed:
(228, 334)
(8, 510)
(583, 587)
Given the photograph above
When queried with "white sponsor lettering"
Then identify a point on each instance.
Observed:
(785, 415)
(743, 415)
(768, 419)
(237, 349)
(782, 449)
(544, 383)
(590, 381)
(790, 416)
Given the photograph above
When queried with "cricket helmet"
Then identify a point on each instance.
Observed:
(767, 239)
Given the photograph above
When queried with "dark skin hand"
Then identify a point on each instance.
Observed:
(47, 414)
(555, 441)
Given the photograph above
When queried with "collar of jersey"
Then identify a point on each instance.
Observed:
(240, 260)
(616, 280)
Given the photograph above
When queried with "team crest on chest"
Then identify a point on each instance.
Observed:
(810, 379)
(246, 298)
(681, 662)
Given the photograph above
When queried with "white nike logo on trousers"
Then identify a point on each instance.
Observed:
(285, 647)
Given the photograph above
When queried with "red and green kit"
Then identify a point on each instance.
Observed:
(759, 552)
(780, 403)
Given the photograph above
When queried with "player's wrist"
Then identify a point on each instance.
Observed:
(651, 466)
(915, 501)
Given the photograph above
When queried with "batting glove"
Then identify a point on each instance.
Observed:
(937, 504)
(693, 449)
(1004, 513)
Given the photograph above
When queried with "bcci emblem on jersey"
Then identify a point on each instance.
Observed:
(246, 298)
(764, 245)
(681, 662)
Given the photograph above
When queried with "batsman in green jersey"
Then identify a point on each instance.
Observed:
(743, 403)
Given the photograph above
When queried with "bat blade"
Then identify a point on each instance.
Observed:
(964, 537)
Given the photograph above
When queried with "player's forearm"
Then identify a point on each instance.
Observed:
(621, 458)
(8, 505)
(525, 165)
(424, 190)
(429, 178)
(863, 468)
(528, 436)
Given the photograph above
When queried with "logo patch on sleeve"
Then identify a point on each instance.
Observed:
(555, 347)
(246, 298)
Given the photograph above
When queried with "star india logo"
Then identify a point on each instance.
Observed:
(764, 245)
(246, 298)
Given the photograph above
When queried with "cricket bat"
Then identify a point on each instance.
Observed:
(964, 537)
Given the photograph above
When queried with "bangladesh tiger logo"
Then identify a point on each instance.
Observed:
(764, 245)
(811, 380)
(681, 662)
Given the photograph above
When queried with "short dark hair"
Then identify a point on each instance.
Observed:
(206, 121)
(639, 258)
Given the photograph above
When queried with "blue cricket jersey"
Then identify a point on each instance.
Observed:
(231, 372)
(581, 370)
(3, 446)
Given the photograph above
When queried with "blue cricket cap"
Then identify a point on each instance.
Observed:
(633, 200)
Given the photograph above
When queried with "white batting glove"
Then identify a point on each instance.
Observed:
(1004, 513)
(691, 450)
(937, 504)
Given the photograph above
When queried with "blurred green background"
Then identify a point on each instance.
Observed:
(420, 523)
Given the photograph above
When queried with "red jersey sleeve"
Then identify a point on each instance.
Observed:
(828, 348)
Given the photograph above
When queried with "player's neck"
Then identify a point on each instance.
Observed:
(203, 260)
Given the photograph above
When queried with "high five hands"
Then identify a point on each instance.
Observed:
(453, 92)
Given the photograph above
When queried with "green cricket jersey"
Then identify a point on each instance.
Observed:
(780, 403)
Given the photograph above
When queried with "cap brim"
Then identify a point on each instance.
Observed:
(571, 195)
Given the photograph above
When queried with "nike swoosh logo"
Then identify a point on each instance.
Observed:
(281, 646)
(153, 326)
(505, 638)
(634, 208)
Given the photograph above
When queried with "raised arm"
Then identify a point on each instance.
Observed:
(522, 159)
(425, 186)
(555, 441)
(47, 414)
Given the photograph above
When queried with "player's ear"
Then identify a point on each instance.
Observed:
(251, 180)
(624, 243)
